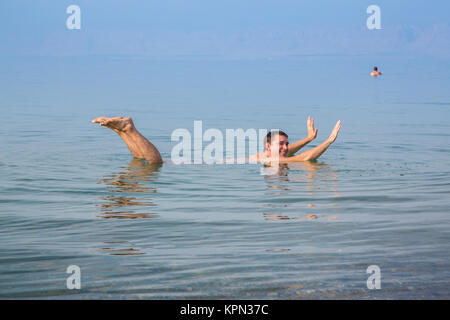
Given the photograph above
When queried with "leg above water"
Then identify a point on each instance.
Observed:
(139, 146)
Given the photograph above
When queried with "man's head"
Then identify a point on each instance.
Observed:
(277, 137)
(375, 69)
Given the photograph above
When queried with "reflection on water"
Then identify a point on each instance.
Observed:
(120, 248)
(300, 182)
(297, 174)
(127, 189)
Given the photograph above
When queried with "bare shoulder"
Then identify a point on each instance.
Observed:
(260, 157)
(256, 157)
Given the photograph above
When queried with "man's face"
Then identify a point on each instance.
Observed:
(283, 144)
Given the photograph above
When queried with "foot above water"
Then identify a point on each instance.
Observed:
(118, 124)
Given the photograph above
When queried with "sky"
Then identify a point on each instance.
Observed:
(224, 28)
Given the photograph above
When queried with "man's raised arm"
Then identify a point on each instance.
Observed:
(312, 134)
(315, 153)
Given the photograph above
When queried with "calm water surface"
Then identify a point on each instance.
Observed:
(70, 193)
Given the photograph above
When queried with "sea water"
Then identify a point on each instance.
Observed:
(71, 193)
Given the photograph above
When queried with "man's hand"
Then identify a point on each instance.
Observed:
(335, 132)
(312, 133)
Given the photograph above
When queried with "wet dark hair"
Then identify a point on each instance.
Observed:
(375, 68)
(269, 135)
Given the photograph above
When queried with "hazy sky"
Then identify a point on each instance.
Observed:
(224, 28)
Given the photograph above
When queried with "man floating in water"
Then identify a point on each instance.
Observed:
(286, 152)
(375, 72)
(278, 148)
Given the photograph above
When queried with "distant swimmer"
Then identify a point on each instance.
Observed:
(375, 72)
(277, 145)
